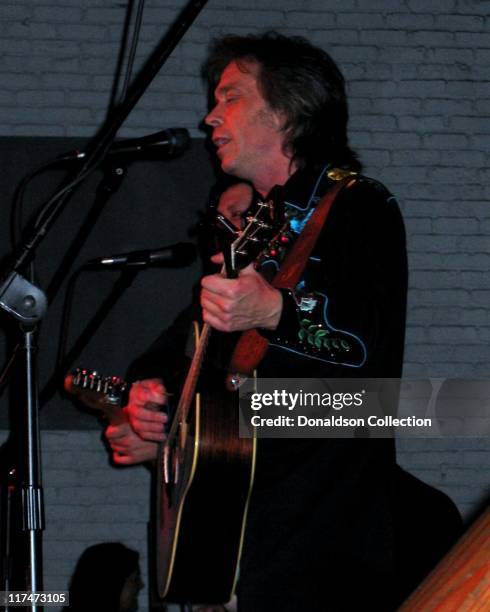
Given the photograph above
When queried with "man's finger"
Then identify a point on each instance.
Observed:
(121, 459)
(144, 415)
(153, 436)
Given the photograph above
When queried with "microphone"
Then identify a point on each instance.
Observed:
(172, 256)
(165, 143)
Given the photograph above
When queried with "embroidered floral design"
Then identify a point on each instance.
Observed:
(317, 336)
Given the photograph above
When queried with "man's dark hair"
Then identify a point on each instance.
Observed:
(299, 80)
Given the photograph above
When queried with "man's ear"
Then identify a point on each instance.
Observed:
(281, 122)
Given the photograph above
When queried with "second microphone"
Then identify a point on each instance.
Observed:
(172, 256)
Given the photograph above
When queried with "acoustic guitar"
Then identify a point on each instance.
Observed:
(205, 470)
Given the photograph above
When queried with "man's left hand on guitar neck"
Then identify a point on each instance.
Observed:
(248, 301)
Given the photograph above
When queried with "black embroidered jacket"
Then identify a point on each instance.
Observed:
(319, 532)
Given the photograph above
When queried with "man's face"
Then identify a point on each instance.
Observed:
(246, 132)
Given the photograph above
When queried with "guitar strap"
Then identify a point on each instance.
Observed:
(252, 346)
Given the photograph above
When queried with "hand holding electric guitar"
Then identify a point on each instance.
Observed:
(106, 394)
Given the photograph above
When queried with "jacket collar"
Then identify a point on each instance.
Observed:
(303, 188)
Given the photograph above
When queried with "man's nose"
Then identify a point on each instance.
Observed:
(213, 118)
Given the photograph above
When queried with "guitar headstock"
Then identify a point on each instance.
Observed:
(242, 246)
(102, 393)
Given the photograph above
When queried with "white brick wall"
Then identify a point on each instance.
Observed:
(417, 73)
(460, 468)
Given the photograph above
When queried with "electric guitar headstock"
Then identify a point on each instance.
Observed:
(104, 394)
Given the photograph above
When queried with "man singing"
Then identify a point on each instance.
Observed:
(319, 533)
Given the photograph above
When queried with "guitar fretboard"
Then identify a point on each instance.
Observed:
(189, 389)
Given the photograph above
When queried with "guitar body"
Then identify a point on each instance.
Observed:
(201, 518)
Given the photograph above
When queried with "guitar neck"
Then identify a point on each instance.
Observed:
(189, 388)
(246, 246)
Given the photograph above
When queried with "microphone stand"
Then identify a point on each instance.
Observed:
(109, 185)
(27, 303)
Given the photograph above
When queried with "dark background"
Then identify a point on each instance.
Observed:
(158, 204)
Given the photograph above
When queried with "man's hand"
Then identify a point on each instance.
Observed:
(127, 447)
(238, 304)
(145, 400)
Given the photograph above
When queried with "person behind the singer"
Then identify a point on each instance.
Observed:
(319, 534)
(108, 573)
